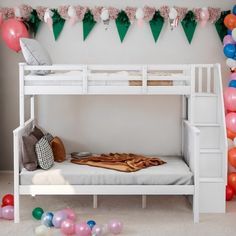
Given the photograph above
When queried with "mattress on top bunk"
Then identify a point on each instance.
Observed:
(174, 172)
(132, 78)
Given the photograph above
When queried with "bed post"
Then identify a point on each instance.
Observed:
(95, 201)
(21, 94)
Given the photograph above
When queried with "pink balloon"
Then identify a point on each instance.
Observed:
(231, 121)
(70, 214)
(230, 99)
(232, 76)
(8, 212)
(97, 230)
(82, 229)
(12, 31)
(1, 18)
(68, 227)
(115, 226)
(58, 218)
(228, 40)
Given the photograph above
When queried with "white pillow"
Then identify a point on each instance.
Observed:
(35, 54)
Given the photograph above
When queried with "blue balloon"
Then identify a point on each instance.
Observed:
(232, 83)
(234, 10)
(229, 50)
(229, 31)
(47, 219)
(91, 223)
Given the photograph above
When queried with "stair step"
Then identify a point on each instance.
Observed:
(207, 125)
(206, 95)
(210, 150)
(211, 180)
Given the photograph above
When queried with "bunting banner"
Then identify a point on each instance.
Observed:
(88, 24)
(156, 24)
(122, 24)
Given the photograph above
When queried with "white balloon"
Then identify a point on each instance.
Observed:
(234, 34)
(48, 14)
(17, 12)
(173, 13)
(105, 14)
(139, 14)
(42, 230)
(230, 143)
(71, 11)
(231, 63)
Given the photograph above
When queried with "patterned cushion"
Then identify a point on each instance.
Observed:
(44, 153)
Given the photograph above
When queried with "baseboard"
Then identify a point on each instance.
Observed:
(6, 171)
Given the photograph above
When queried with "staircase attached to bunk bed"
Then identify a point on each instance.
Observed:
(206, 112)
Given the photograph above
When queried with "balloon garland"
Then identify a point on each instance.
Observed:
(65, 221)
(29, 19)
(230, 99)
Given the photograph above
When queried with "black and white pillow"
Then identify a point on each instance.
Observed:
(44, 153)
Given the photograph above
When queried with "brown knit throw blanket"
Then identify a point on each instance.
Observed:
(125, 162)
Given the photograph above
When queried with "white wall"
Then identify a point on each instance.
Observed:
(138, 124)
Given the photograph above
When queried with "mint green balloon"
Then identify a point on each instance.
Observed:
(37, 213)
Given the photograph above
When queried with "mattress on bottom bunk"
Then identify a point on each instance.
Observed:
(174, 172)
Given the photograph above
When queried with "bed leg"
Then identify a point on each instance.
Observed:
(195, 208)
(144, 201)
(16, 207)
(95, 201)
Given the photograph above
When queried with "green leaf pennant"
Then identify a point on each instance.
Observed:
(156, 25)
(122, 25)
(189, 25)
(34, 22)
(58, 24)
(220, 27)
(88, 24)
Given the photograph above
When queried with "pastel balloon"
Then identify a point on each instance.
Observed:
(70, 214)
(42, 230)
(228, 40)
(204, 16)
(68, 227)
(232, 157)
(234, 34)
(82, 229)
(91, 223)
(232, 84)
(231, 143)
(230, 134)
(97, 230)
(12, 31)
(8, 212)
(232, 76)
(230, 21)
(231, 121)
(37, 213)
(115, 226)
(232, 181)
(229, 50)
(47, 219)
(229, 31)
(58, 218)
(230, 98)
(231, 63)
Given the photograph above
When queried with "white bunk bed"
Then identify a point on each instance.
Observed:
(200, 172)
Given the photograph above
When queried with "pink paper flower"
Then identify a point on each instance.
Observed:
(80, 12)
(41, 11)
(148, 13)
(214, 14)
(63, 11)
(25, 11)
(182, 11)
(96, 11)
(130, 12)
(8, 12)
(113, 12)
(164, 12)
(197, 13)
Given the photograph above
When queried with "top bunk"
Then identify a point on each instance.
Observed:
(117, 79)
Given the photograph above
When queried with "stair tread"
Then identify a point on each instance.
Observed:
(206, 95)
(207, 124)
(212, 180)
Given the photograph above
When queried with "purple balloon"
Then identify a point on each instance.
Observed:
(97, 230)
(232, 76)
(115, 226)
(228, 40)
(8, 212)
(82, 229)
(58, 218)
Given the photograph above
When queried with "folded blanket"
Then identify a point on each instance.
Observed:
(126, 162)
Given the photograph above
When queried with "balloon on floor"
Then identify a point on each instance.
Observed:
(7, 208)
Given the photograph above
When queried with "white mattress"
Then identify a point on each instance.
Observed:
(174, 172)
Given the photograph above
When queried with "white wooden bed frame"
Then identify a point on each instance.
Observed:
(203, 116)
